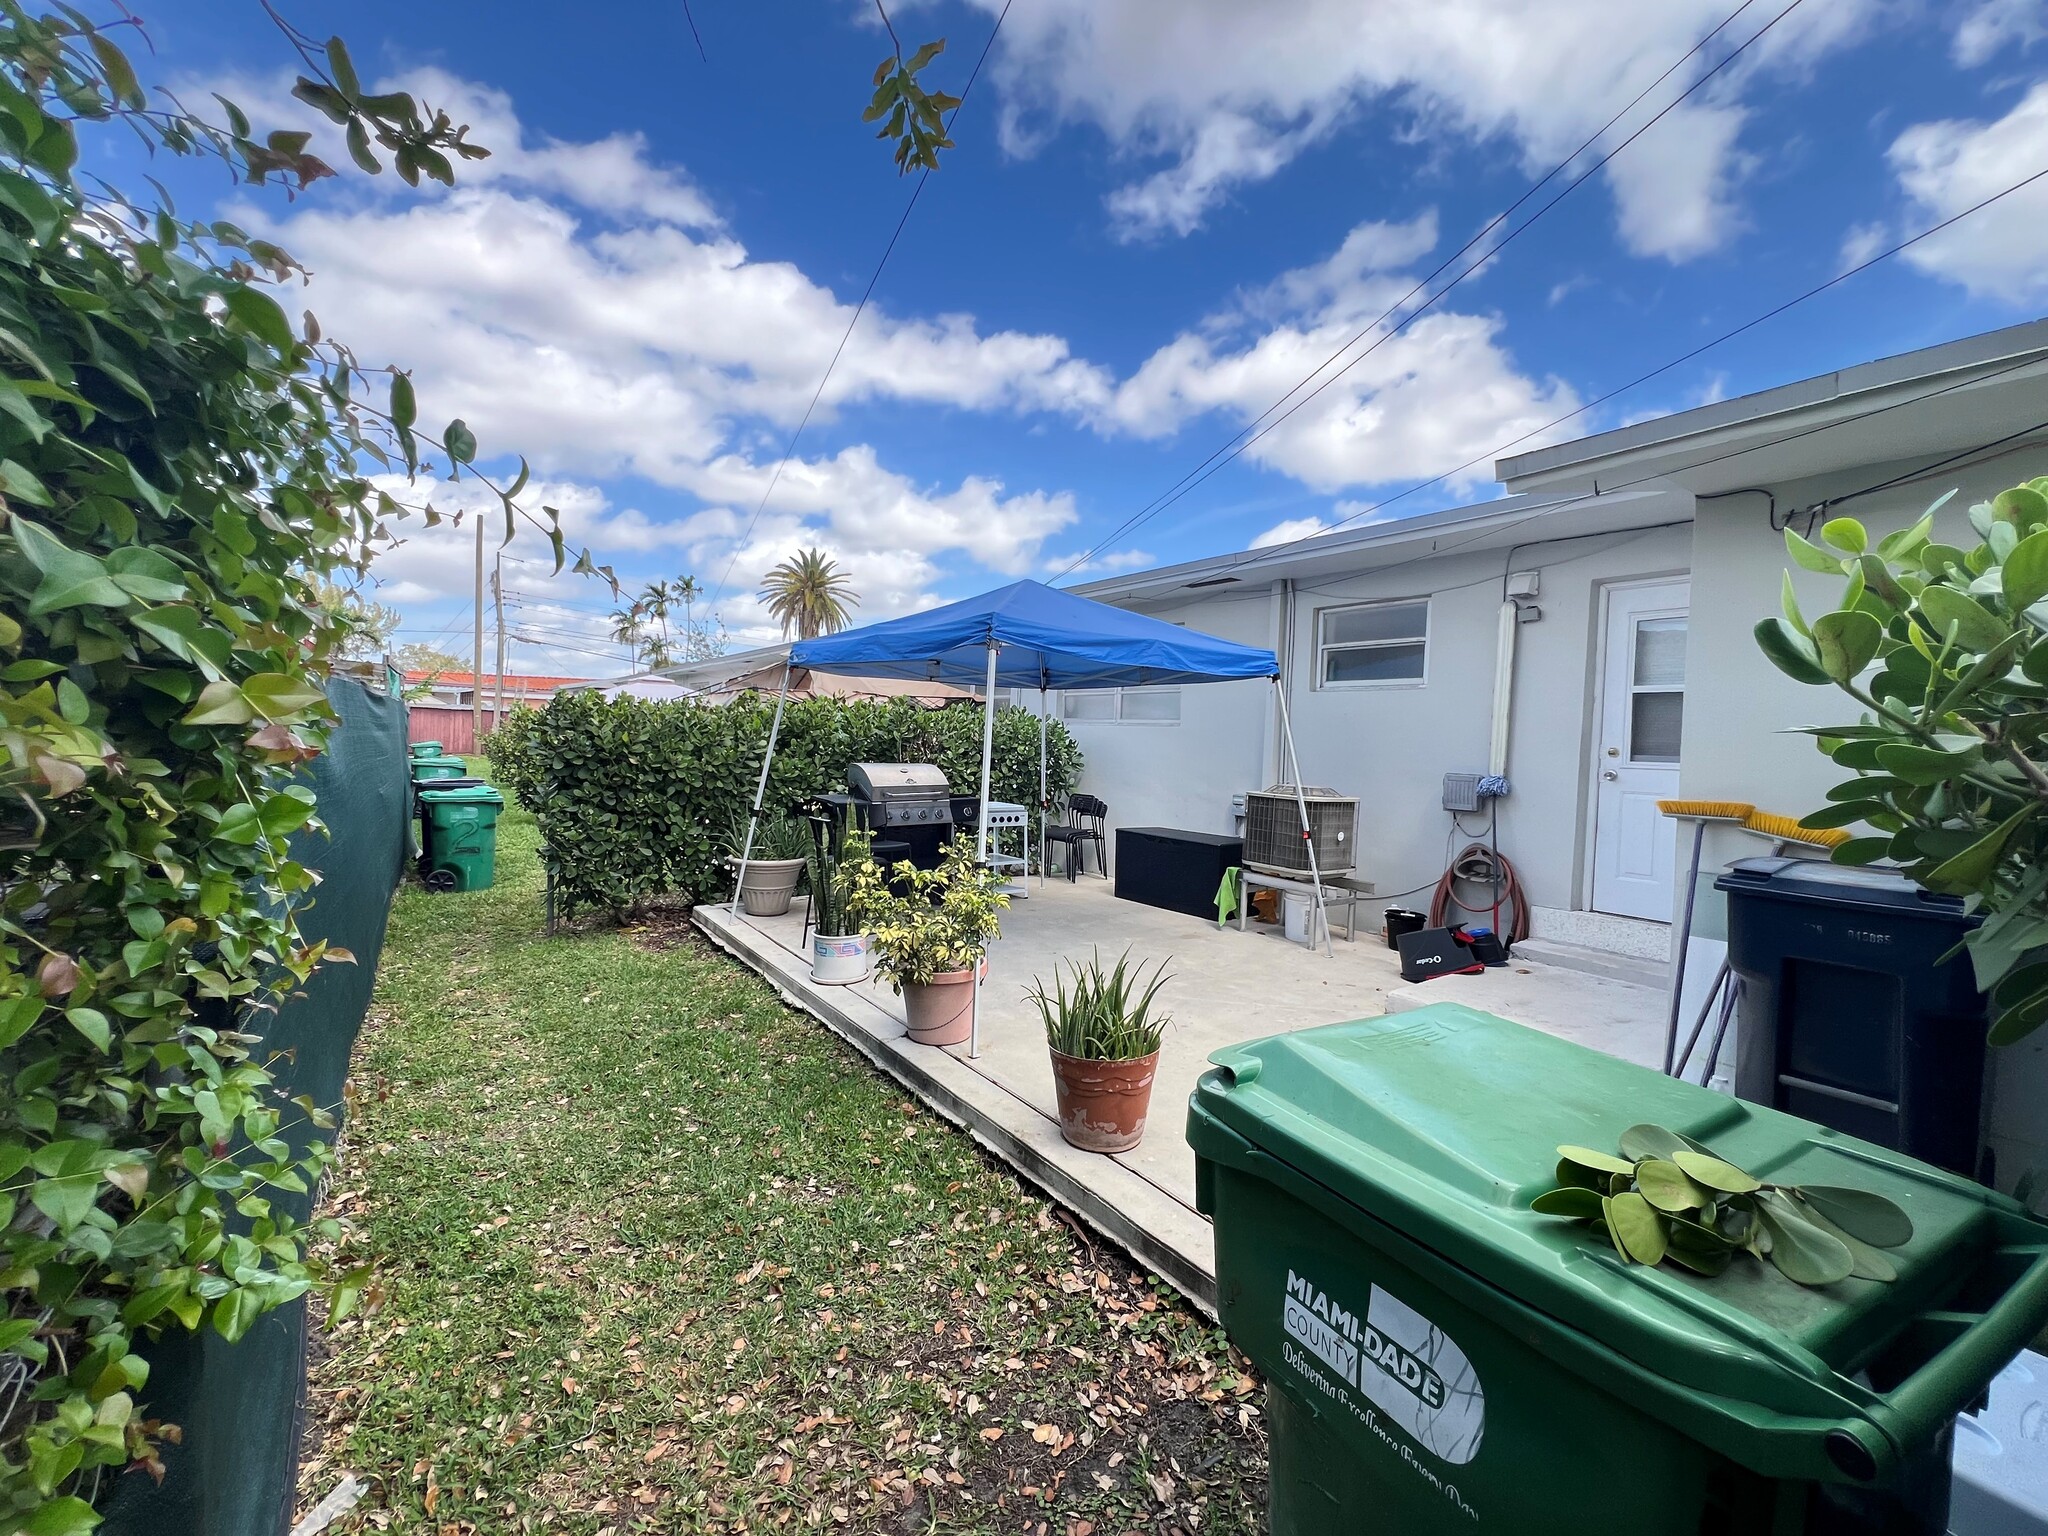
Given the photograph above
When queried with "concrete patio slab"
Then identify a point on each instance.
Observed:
(1227, 986)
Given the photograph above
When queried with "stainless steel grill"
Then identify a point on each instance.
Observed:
(901, 794)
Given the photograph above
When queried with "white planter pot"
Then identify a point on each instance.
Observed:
(768, 886)
(839, 961)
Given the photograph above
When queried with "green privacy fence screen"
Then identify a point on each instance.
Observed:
(240, 1404)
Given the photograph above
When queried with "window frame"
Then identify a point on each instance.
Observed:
(1116, 715)
(1324, 647)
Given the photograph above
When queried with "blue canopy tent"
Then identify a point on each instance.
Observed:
(1029, 635)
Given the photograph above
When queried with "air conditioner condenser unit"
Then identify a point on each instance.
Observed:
(1272, 831)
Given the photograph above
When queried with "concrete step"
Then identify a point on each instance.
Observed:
(1655, 974)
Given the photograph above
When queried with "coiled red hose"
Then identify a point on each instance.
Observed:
(1479, 864)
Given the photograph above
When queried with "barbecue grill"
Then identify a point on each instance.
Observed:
(906, 801)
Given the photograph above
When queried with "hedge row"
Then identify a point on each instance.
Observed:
(637, 799)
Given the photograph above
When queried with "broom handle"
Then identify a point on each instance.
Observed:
(1692, 882)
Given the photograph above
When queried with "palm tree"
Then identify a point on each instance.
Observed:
(626, 630)
(808, 595)
(686, 590)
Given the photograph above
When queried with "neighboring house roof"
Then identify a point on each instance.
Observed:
(1977, 390)
(514, 681)
(717, 679)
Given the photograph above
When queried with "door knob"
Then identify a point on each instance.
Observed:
(1610, 775)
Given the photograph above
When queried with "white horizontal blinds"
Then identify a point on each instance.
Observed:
(1657, 689)
(1373, 643)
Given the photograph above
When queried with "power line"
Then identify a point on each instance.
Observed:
(1234, 448)
(858, 310)
(1729, 335)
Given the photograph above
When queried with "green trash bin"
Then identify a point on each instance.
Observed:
(444, 767)
(1442, 1358)
(459, 837)
(426, 749)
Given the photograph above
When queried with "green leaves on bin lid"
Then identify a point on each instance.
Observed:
(1670, 1197)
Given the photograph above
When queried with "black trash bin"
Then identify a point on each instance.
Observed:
(1850, 1016)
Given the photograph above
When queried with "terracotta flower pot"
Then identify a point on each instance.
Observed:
(1103, 1103)
(941, 1011)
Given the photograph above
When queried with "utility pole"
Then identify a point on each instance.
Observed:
(476, 665)
(498, 596)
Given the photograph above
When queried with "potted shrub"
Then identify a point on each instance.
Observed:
(1104, 1038)
(774, 865)
(839, 947)
(928, 933)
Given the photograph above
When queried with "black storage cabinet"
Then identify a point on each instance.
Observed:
(1846, 1018)
(1164, 867)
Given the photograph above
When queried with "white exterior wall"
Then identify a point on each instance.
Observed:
(1740, 708)
(1390, 745)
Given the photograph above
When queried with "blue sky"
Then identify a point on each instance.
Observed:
(1161, 214)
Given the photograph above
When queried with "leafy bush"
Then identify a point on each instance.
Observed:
(1946, 649)
(637, 798)
(926, 922)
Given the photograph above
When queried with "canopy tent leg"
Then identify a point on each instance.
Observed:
(988, 746)
(1044, 802)
(1308, 842)
(760, 791)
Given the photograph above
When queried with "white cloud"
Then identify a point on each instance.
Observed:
(1860, 243)
(1948, 166)
(1991, 24)
(1291, 530)
(1415, 405)
(1229, 93)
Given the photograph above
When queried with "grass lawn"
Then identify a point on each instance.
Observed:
(661, 1254)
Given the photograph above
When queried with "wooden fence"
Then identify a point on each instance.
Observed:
(449, 725)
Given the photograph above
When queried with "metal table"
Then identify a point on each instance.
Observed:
(1006, 817)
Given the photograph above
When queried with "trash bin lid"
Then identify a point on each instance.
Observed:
(445, 792)
(1444, 1123)
(1851, 885)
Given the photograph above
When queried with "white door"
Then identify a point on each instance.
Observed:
(1642, 711)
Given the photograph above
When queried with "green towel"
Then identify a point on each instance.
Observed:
(1226, 897)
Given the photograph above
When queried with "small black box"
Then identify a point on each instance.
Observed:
(1434, 952)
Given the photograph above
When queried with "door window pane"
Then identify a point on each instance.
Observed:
(1655, 723)
(1660, 653)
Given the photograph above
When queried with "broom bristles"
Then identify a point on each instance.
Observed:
(1787, 829)
(1706, 810)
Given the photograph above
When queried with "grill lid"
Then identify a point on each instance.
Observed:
(879, 781)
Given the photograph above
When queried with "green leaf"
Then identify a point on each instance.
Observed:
(1972, 869)
(1802, 1252)
(1668, 1187)
(459, 441)
(284, 813)
(2022, 505)
(1861, 850)
(1641, 1141)
(239, 824)
(1975, 627)
(261, 316)
(404, 406)
(1847, 642)
(281, 696)
(220, 704)
(342, 68)
(1596, 1162)
(1864, 1214)
(236, 1312)
(1790, 651)
(92, 1024)
(1927, 765)
(71, 578)
(1714, 1173)
(2024, 576)
(1845, 533)
(66, 1516)
(1637, 1228)
(1583, 1204)
(142, 572)
(2018, 1015)
(120, 74)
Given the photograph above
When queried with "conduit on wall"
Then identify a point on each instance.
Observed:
(1503, 688)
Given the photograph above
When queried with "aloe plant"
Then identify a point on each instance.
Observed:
(1668, 1196)
(1108, 1016)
